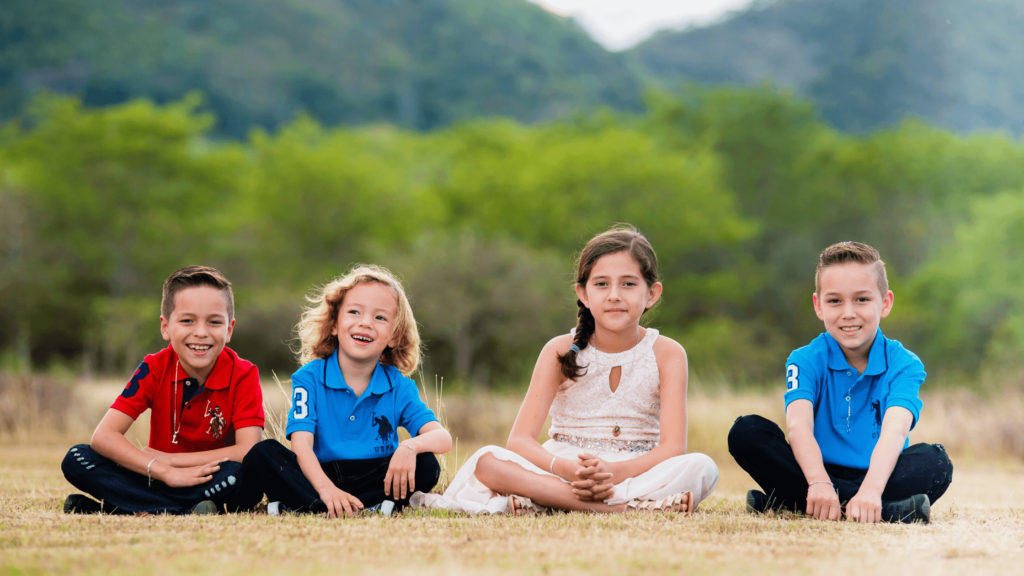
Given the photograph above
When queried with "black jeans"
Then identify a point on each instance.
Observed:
(759, 447)
(125, 492)
(275, 470)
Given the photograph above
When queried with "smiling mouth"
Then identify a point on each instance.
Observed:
(361, 338)
(199, 348)
(850, 329)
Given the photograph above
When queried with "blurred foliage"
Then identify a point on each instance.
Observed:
(737, 189)
(417, 64)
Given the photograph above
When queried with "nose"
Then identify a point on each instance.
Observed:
(613, 294)
(848, 310)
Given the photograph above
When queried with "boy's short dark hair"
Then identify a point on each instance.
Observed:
(842, 252)
(191, 276)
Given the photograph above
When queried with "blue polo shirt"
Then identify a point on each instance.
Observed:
(849, 407)
(350, 427)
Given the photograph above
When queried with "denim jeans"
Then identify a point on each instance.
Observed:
(759, 447)
(275, 470)
(124, 492)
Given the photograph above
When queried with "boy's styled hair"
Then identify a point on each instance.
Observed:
(842, 252)
(320, 318)
(191, 276)
(620, 238)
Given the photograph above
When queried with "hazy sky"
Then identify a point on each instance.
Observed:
(619, 24)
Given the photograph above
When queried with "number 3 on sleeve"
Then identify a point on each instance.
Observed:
(792, 371)
(300, 410)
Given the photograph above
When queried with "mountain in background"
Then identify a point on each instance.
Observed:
(865, 63)
(415, 63)
(421, 64)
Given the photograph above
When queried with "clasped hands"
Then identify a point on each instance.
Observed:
(594, 479)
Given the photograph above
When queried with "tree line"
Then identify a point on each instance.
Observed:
(738, 190)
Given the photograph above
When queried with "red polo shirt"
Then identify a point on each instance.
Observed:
(230, 399)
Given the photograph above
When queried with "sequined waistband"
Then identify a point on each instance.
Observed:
(612, 444)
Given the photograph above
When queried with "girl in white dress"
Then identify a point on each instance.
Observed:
(616, 393)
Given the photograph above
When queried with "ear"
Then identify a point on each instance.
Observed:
(887, 302)
(817, 306)
(581, 293)
(165, 333)
(231, 330)
(653, 294)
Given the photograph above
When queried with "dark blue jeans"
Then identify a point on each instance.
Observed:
(124, 492)
(759, 447)
(275, 470)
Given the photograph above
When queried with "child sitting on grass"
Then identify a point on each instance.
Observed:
(851, 401)
(206, 413)
(358, 342)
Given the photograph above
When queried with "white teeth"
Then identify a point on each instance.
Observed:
(199, 348)
(362, 338)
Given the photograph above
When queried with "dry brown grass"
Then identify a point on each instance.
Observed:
(978, 525)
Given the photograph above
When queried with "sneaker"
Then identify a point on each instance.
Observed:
(205, 507)
(757, 502)
(276, 508)
(81, 504)
(917, 508)
(385, 508)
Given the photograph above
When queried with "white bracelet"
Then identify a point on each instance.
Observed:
(409, 447)
(819, 482)
(149, 474)
(551, 466)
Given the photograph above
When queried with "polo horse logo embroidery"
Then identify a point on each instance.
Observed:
(384, 428)
(217, 423)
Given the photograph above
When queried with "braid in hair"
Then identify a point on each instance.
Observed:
(584, 329)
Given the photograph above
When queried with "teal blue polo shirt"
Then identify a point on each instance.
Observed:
(350, 427)
(849, 407)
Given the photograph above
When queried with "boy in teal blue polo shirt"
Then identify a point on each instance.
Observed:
(851, 401)
(358, 343)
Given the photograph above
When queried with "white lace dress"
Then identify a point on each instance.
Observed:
(586, 415)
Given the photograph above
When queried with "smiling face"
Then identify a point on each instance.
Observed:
(616, 293)
(366, 323)
(198, 328)
(851, 304)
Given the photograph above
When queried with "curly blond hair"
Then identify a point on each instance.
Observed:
(319, 319)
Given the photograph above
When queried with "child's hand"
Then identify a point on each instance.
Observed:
(864, 507)
(339, 503)
(189, 476)
(400, 480)
(595, 479)
(823, 502)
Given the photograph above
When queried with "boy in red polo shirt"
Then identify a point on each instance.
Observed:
(207, 412)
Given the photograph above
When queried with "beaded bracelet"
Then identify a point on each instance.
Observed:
(149, 473)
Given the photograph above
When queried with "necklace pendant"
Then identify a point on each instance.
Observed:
(174, 438)
(616, 431)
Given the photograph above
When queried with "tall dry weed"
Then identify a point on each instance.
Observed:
(33, 404)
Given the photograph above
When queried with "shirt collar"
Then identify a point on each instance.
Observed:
(380, 383)
(876, 356)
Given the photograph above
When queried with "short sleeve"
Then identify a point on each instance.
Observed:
(302, 416)
(415, 413)
(905, 387)
(137, 395)
(802, 378)
(248, 408)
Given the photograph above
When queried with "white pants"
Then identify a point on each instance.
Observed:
(695, 473)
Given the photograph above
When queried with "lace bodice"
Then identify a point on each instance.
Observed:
(588, 407)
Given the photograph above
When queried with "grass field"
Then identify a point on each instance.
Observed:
(977, 528)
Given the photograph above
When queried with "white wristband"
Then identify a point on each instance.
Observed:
(149, 473)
